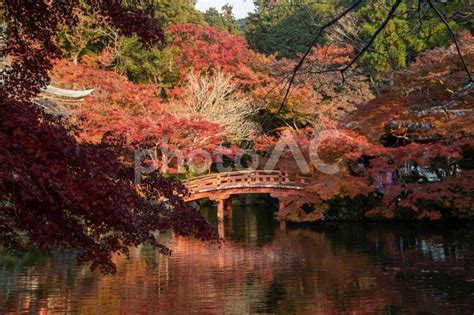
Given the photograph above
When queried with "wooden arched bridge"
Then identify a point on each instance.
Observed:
(222, 186)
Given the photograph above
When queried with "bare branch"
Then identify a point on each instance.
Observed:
(393, 9)
(346, 31)
(382, 26)
(445, 22)
(308, 50)
(367, 47)
(215, 99)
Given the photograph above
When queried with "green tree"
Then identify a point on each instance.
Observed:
(214, 18)
(404, 37)
(229, 19)
(147, 65)
(286, 26)
(177, 12)
(83, 37)
(224, 21)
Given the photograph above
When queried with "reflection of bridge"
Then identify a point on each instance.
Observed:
(221, 186)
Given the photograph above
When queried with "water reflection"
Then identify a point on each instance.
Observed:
(261, 268)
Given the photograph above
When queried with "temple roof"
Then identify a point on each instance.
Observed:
(56, 91)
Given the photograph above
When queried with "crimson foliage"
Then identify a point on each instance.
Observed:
(54, 192)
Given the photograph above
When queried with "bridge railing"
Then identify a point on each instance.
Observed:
(247, 179)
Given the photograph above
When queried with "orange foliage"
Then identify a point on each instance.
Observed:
(134, 111)
(208, 49)
(427, 109)
(432, 95)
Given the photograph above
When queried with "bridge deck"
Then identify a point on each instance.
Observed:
(241, 182)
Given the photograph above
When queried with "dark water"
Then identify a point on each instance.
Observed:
(261, 268)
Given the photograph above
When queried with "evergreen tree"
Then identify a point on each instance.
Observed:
(177, 12)
(214, 18)
(224, 21)
(146, 64)
(404, 37)
(286, 26)
(229, 19)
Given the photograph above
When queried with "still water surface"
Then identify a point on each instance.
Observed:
(261, 268)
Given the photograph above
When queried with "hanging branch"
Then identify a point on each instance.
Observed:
(456, 43)
(393, 9)
(382, 26)
(310, 47)
(390, 15)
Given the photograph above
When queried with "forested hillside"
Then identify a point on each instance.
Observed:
(391, 79)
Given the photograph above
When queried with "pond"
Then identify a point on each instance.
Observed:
(261, 268)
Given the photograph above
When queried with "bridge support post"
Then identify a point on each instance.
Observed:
(228, 208)
(281, 204)
(220, 210)
(220, 217)
(224, 206)
(281, 201)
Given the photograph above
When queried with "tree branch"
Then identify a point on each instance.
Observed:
(445, 22)
(392, 11)
(366, 47)
(308, 50)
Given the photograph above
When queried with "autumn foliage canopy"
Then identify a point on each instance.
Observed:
(56, 191)
(403, 145)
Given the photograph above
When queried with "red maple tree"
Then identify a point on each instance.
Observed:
(54, 191)
(409, 149)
